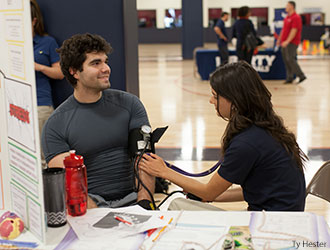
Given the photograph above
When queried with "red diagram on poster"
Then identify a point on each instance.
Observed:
(20, 113)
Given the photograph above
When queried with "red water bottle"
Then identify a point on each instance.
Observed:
(76, 184)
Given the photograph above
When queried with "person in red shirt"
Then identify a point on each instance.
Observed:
(289, 40)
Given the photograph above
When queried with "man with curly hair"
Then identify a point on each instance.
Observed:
(95, 121)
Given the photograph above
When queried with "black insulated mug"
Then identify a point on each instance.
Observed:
(54, 196)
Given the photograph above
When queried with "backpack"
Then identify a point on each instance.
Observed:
(250, 41)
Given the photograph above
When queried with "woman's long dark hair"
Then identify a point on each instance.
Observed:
(251, 105)
(36, 13)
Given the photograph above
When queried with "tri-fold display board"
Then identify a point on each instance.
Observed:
(21, 189)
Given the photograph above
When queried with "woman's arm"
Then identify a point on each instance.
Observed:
(233, 194)
(154, 165)
(53, 72)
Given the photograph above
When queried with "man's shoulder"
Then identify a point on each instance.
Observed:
(119, 97)
(122, 100)
(220, 23)
(67, 105)
(117, 92)
(296, 16)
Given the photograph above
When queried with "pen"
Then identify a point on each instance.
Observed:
(162, 230)
(174, 225)
(122, 220)
(151, 231)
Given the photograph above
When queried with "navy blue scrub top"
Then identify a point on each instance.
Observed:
(44, 53)
(268, 175)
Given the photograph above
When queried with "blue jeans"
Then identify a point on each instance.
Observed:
(128, 200)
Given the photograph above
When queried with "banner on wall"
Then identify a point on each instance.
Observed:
(21, 189)
(279, 16)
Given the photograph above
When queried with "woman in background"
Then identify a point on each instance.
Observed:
(46, 65)
(240, 29)
(259, 153)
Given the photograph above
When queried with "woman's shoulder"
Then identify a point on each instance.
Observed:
(242, 23)
(47, 38)
(252, 133)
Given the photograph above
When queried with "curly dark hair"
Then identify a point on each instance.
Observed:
(73, 52)
(251, 105)
(243, 11)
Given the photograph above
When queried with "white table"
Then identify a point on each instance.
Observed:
(211, 218)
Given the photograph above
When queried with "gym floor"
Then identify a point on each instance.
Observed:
(174, 95)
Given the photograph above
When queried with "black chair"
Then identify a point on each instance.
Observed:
(320, 183)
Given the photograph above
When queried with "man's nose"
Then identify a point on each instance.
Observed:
(106, 67)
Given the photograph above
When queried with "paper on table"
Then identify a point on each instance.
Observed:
(83, 225)
(324, 231)
(190, 234)
(116, 219)
(127, 243)
(282, 230)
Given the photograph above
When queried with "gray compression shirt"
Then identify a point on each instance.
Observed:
(99, 132)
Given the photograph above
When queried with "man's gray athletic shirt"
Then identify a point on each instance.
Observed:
(99, 132)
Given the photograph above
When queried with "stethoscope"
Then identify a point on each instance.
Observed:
(205, 173)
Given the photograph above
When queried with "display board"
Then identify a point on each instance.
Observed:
(21, 189)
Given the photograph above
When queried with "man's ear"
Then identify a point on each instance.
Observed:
(73, 72)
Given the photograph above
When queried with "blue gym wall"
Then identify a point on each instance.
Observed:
(64, 18)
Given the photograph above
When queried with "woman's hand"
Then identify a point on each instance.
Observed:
(153, 165)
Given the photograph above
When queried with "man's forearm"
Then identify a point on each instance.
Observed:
(149, 182)
(219, 33)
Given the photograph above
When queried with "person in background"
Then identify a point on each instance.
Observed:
(326, 38)
(289, 40)
(96, 121)
(46, 66)
(222, 37)
(259, 153)
(240, 29)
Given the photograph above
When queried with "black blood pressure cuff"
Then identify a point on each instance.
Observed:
(146, 204)
(193, 197)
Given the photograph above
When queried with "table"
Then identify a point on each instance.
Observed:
(268, 63)
(312, 228)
